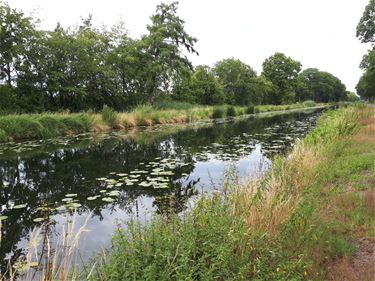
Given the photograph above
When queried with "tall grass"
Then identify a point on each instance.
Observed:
(45, 260)
(31, 126)
(109, 116)
(40, 126)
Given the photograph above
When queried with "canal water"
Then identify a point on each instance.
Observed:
(118, 176)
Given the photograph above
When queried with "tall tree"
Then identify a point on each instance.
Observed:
(366, 25)
(238, 80)
(320, 86)
(282, 71)
(17, 36)
(205, 87)
(366, 85)
(164, 46)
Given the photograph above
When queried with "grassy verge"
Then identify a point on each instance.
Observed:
(290, 224)
(39, 126)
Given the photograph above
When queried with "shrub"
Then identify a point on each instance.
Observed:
(231, 111)
(250, 109)
(256, 110)
(3, 135)
(218, 113)
(165, 104)
(109, 116)
(309, 103)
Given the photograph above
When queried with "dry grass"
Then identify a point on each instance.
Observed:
(369, 201)
(367, 132)
(45, 260)
(277, 193)
(358, 268)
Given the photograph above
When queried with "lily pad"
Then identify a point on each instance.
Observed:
(3, 218)
(71, 195)
(61, 208)
(38, 220)
(20, 206)
(114, 193)
(108, 199)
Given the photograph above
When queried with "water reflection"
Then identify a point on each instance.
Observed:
(114, 176)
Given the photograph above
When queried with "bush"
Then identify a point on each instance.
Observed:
(165, 104)
(250, 109)
(3, 135)
(218, 113)
(309, 103)
(231, 111)
(109, 116)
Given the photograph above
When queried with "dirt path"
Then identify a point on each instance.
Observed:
(361, 267)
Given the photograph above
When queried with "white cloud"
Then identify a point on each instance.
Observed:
(319, 33)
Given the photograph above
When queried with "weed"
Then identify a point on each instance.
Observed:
(109, 116)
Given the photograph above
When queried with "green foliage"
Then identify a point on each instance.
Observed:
(3, 136)
(238, 81)
(83, 67)
(213, 242)
(109, 116)
(366, 25)
(200, 246)
(366, 84)
(231, 111)
(218, 112)
(309, 103)
(250, 109)
(320, 86)
(352, 97)
(205, 87)
(170, 104)
(19, 127)
(282, 71)
(8, 99)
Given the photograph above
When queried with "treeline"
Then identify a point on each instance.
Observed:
(85, 67)
(366, 33)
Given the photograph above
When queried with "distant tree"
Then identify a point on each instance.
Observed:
(17, 37)
(163, 47)
(320, 86)
(75, 68)
(352, 97)
(238, 80)
(205, 87)
(282, 71)
(366, 86)
(265, 90)
(366, 25)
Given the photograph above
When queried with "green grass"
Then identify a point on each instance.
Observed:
(109, 116)
(48, 125)
(31, 126)
(287, 225)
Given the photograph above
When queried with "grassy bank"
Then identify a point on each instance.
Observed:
(40, 126)
(293, 223)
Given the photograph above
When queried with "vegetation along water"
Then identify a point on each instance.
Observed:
(121, 160)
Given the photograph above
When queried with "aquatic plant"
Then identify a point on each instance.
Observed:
(109, 116)
(231, 111)
(218, 112)
(250, 109)
(46, 260)
(276, 227)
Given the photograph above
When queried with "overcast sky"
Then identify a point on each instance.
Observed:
(319, 33)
